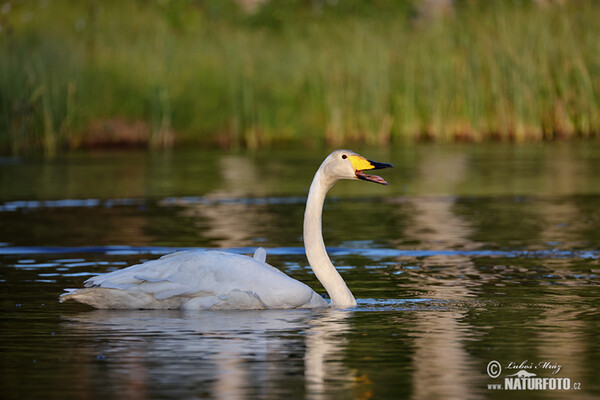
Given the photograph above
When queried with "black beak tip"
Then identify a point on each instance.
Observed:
(378, 165)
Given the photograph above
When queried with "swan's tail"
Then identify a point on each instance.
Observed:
(116, 299)
(86, 296)
(68, 295)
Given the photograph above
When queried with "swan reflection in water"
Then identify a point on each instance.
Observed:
(225, 354)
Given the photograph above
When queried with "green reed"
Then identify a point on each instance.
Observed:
(176, 72)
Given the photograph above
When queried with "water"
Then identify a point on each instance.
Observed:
(473, 254)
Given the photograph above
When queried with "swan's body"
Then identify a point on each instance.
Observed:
(197, 279)
(219, 280)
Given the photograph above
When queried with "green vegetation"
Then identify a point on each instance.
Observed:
(85, 73)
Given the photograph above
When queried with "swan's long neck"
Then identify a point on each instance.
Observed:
(315, 247)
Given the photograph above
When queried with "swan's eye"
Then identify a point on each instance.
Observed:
(344, 157)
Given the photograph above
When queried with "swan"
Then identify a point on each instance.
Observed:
(212, 280)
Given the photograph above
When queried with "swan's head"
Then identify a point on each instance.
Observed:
(346, 164)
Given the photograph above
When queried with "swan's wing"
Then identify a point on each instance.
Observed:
(224, 277)
(162, 278)
(260, 255)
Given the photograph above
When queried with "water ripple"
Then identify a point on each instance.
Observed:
(11, 206)
(283, 251)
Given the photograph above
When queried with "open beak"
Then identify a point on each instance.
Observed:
(361, 165)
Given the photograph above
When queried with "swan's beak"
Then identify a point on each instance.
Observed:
(361, 164)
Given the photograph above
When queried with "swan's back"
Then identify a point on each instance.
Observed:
(198, 280)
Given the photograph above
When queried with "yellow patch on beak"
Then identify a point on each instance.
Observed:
(360, 164)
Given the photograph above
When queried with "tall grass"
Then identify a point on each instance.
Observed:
(79, 73)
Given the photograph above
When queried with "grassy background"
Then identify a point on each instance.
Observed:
(159, 73)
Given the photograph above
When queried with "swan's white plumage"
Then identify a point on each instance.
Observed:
(198, 279)
(260, 255)
(219, 280)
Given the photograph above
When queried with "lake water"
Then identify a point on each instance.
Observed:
(474, 258)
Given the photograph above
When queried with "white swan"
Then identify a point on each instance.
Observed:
(198, 279)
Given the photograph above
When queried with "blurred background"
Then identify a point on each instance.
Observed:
(259, 73)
